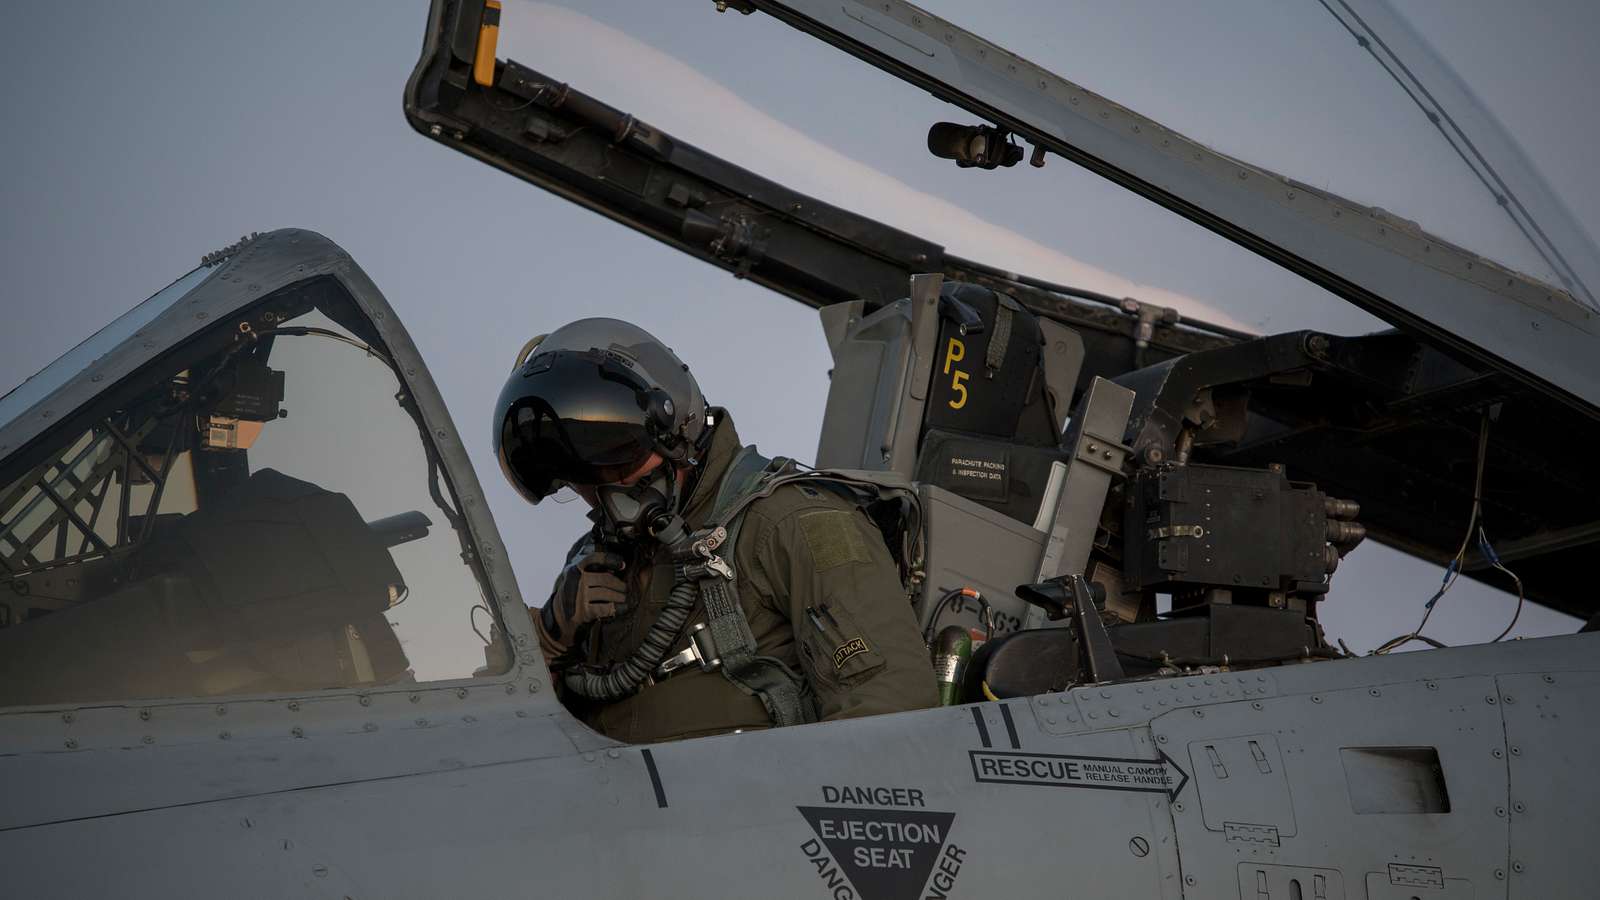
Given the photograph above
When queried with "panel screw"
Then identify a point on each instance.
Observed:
(1516, 866)
(1490, 700)
(511, 689)
(224, 736)
(416, 698)
(1500, 874)
(297, 731)
(1139, 846)
(1256, 705)
(294, 705)
(71, 744)
(365, 701)
(461, 693)
(1500, 811)
(1519, 806)
(533, 687)
(1375, 692)
(148, 739)
(1177, 807)
(67, 718)
(1161, 739)
(1199, 714)
(614, 753)
(222, 710)
(1315, 698)
(1549, 679)
(1432, 686)
(144, 715)
(1515, 750)
(1510, 699)
(1496, 753)
(319, 870)
(1188, 879)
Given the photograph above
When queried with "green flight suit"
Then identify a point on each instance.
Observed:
(821, 593)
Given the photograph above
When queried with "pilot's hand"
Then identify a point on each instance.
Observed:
(589, 590)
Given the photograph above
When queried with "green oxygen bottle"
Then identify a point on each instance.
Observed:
(951, 651)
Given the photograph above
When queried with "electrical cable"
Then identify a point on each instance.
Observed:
(1453, 570)
(985, 611)
(472, 619)
(1494, 560)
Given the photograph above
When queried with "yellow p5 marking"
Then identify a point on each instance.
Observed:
(954, 353)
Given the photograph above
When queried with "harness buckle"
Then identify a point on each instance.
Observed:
(701, 650)
(718, 565)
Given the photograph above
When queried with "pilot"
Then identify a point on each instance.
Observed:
(814, 622)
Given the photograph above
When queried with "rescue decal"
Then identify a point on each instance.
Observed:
(881, 843)
(843, 653)
(1155, 776)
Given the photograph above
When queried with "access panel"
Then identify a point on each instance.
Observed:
(1314, 791)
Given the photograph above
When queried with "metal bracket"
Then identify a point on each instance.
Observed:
(1102, 453)
(1099, 657)
(1095, 460)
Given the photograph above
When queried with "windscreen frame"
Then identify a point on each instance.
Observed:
(272, 268)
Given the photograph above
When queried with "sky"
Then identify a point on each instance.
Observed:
(149, 134)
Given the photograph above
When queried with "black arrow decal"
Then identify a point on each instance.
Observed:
(1102, 773)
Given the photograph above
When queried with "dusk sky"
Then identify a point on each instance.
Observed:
(143, 135)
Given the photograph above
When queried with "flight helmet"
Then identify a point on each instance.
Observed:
(588, 403)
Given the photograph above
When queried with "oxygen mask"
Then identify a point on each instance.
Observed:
(646, 509)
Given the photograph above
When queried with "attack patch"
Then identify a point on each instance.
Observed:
(833, 539)
(848, 649)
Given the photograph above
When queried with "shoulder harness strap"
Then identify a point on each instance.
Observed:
(780, 689)
(751, 477)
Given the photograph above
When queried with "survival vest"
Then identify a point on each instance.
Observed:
(724, 641)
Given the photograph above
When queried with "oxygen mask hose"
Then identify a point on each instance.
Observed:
(622, 679)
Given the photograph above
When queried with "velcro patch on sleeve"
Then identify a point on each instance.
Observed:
(848, 649)
(833, 538)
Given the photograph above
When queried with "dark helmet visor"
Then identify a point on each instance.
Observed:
(571, 417)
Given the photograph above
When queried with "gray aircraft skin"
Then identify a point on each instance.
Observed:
(1441, 774)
